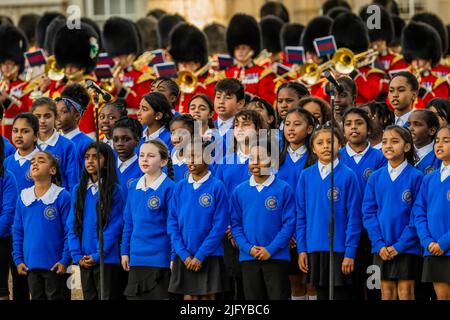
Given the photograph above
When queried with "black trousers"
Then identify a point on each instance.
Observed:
(46, 285)
(266, 280)
(90, 282)
(20, 284)
(340, 293)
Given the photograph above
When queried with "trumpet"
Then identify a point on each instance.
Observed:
(188, 80)
(312, 72)
(345, 61)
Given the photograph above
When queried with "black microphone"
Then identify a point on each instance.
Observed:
(105, 95)
(331, 79)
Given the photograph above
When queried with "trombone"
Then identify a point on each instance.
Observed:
(345, 61)
(188, 80)
(311, 72)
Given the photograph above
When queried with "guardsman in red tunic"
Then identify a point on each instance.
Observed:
(431, 19)
(290, 37)
(244, 43)
(271, 32)
(76, 51)
(189, 51)
(350, 32)
(422, 49)
(15, 100)
(122, 42)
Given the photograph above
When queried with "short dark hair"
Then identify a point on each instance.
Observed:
(44, 101)
(120, 105)
(231, 86)
(31, 119)
(132, 124)
(361, 112)
(78, 93)
(300, 89)
(430, 119)
(410, 79)
(442, 107)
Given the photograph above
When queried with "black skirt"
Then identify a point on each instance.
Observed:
(402, 267)
(148, 283)
(294, 269)
(436, 269)
(319, 270)
(210, 279)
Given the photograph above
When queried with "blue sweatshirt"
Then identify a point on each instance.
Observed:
(387, 208)
(126, 178)
(164, 136)
(20, 172)
(81, 141)
(431, 212)
(372, 160)
(429, 163)
(198, 221)
(8, 148)
(232, 172)
(290, 171)
(145, 238)
(313, 197)
(39, 230)
(8, 199)
(263, 218)
(66, 153)
(89, 241)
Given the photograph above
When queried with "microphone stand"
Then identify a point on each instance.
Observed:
(331, 226)
(99, 207)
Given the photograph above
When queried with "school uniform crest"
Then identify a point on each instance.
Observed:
(448, 195)
(429, 169)
(28, 175)
(154, 202)
(367, 173)
(50, 213)
(271, 203)
(129, 182)
(335, 194)
(205, 200)
(407, 196)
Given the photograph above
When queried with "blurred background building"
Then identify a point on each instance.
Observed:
(201, 12)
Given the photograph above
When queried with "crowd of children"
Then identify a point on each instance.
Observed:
(198, 209)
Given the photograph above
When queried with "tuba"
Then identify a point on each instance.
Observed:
(188, 80)
(345, 61)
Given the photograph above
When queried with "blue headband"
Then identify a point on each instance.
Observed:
(71, 103)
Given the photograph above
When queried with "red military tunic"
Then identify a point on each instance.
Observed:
(391, 63)
(206, 85)
(256, 80)
(20, 103)
(433, 87)
(369, 82)
(441, 70)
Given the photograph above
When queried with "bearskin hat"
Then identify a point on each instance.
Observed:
(333, 13)
(448, 38)
(96, 28)
(434, 21)
(421, 41)
(13, 44)
(271, 31)
(42, 25)
(331, 4)
(120, 37)
(215, 33)
(316, 28)
(188, 43)
(52, 29)
(76, 46)
(243, 29)
(165, 26)
(291, 34)
(386, 30)
(350, 32)
(275, 9)
(399, 24)
(28, 23)
(147, 28)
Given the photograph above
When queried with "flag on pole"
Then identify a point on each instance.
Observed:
(167, 69)
(282, 69)
(104, 58)
(295, 55)
(159, 57)
(103, 71)
(325, 46)
(225, 61)
(35, 58)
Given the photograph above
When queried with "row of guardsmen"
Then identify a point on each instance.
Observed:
(118, 59)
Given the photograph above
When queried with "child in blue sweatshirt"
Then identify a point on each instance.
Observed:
(146, 248)
(50, 140)
(84, 225)
(198, 218)
(110, 113)
(70, 106)
(313, 196)
(181, 134)
(423, 125)
(263, 219)
(8, 199)
(388, 200)
(40, 247)
(155, 115)
(24, 136)
(363, 159)
(296, 156)
(126, 135)
(432, 220)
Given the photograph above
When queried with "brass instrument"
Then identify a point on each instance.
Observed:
(262, 58)
(290, 74)
(4, 80)
(141, 63)
(188, 80)
(52, 71)
(345, 61)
